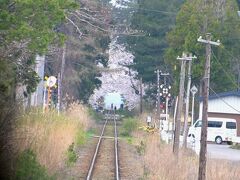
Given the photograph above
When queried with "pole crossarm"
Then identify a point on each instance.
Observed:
(165, 74)
(186, 58)
(200, 39)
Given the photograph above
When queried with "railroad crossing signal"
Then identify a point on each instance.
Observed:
(51, 81)
(165, 96)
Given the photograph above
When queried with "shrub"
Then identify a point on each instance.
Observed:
(97, 116)
(29, 168)
(129, 125)
(50, 135)
(126, 113)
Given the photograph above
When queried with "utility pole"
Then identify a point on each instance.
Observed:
(158, 95)
(179, 108)
(174, 116)
(205, 86)
(61, 77)
(185, 130)
(141, 96)
(238, 89)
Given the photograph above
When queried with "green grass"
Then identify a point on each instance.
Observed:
(129, 140)
(126, 113)
(29, 168)
(95, 115)
(128, 126)
(81, 137)
(91, 132)
(71, 155)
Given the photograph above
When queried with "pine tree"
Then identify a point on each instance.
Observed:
(194, 20)
(154, 18)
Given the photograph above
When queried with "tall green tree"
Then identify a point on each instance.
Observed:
(27, 28)
(154, 19)
(196, 19)
(86, 47)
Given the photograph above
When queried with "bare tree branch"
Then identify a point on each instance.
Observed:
(91, 11)
(83, 20)
(78, 30)
(88, 16)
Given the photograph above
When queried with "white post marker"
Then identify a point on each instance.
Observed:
(149, 120)
(193, 90)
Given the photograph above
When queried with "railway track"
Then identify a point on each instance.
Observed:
(105, 161)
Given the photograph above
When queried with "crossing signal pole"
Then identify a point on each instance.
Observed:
(49, 98)
(206, 80)
(50, 83)
(165, 76)
(165, 84)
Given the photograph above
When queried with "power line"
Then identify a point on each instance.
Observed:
(226, 73)
(154, 10)
(230, 54)
(219, 97)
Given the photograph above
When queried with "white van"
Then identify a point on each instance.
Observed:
(219, 129)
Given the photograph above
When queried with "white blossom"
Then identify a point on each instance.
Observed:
(117, 77)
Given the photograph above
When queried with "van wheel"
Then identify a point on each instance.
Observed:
(218, 140)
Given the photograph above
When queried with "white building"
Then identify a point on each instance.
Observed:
(225, 104)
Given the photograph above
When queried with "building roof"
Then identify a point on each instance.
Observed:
(223, 94)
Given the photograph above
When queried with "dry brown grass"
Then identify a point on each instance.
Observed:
(50, 135)
(161, 164)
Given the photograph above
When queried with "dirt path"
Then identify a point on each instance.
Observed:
(130, 162)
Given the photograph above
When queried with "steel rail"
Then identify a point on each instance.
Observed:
(96, 152)
(116, 149)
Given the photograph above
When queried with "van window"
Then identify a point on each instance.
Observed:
(215, 124)
(231, 125)
(198, 124)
